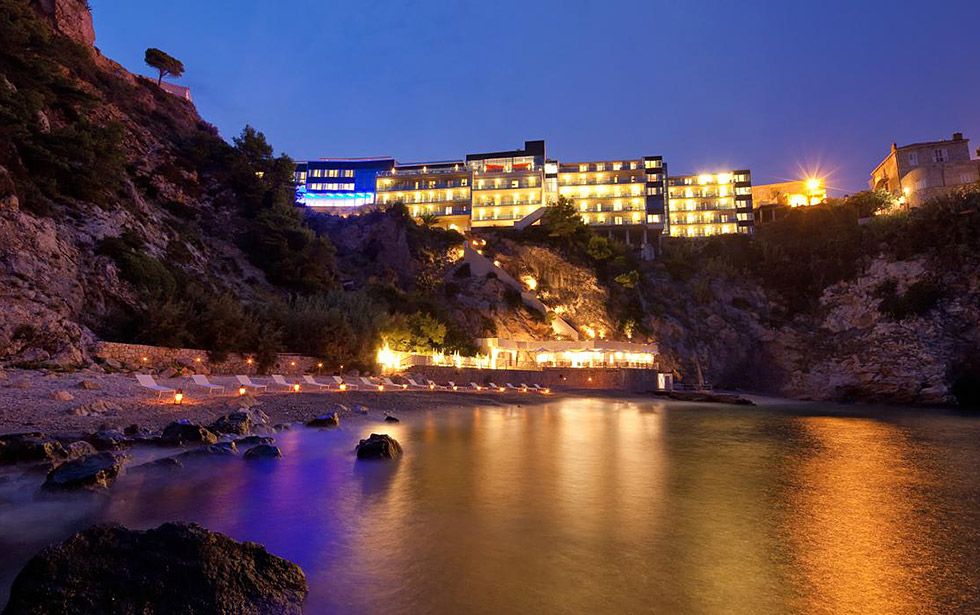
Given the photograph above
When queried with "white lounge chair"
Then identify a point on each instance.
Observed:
(416, 385)
(280, 381)
(246, 382)
(394, 385)
(511, 387)
(311, 381)
(476, 387)
(372, 385)
(146, 381)
(341, 385)
(525, 388)
(540, 389)
(453, 385)
(433, 386)
(494, 387)
(202, 381)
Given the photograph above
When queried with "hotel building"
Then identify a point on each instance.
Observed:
(339, 185)
(710, 204)
(918, 172)
(772, 201)
(628, 198)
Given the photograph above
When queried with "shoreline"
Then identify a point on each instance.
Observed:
(61, 403)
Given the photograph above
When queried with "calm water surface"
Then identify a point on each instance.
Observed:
(588, 505)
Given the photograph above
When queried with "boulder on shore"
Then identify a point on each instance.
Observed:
(183, 432)
(263, 451)
(325, 420)
(254, 440)
(175, 568)
(379, 446)
(96, 471)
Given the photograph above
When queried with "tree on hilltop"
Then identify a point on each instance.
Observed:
(163, 62)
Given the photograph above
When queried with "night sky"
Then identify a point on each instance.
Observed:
(775, 86)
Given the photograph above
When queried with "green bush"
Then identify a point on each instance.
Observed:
(917, 300)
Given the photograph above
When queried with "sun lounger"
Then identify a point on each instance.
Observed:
(433, 385)
(394, 385)
(416, 385)
(146, 381)
(371, 385)
(280, 381)
(525, 388)
(511, 387)
(311, 381)
(246, 382)
(494, 387)
(202, 381)
(341, 385)
(453, 386)
(540, 389)
(476, 387)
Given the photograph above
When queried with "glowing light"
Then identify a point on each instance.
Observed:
(178, 397)
(530, 282)
(295, 388)
(387, 359)
(342, 387)
(814, 184)
(242, 391)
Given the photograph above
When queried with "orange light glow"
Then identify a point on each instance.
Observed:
(242, 390)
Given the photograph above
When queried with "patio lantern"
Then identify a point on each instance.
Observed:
(178, 397)
(242, 391)
(295, 388)
(342, 386)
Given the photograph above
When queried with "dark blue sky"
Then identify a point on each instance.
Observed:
(775, 86)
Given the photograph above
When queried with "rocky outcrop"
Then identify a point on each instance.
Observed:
(70, 17)
(236, 423)
(30, 447)
(379, 446)
(96, 471)
(180, 433)
(175, 568)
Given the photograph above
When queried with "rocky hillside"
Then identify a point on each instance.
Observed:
(828, 305)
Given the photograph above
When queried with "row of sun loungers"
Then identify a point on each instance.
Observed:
(336, 383)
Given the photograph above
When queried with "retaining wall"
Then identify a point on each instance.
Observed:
(154, 358)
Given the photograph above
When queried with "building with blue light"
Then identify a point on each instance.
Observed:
(340, 185)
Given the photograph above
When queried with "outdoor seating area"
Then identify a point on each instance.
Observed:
(278, 383)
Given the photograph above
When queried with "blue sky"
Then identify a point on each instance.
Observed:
(775, 86)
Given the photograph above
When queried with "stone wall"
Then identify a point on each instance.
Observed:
(137, 357)
(635, 380)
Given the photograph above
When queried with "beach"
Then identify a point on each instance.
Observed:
(86, 400)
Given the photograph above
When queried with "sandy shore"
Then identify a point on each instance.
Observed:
(39, 401)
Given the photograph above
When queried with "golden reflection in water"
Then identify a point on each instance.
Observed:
(859, 536)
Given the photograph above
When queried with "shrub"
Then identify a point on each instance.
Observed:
(917, 300)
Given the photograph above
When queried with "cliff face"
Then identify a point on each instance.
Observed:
(80, 111)
(903, 330)
(70, 17)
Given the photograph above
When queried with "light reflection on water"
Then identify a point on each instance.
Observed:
(587, 505)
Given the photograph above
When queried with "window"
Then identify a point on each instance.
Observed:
(348, 172)
(617, 166)
(967, 178)
(913, 159)
(940, 155)
(582, 168)
(449, 211)
(515, 183)
(600, 166)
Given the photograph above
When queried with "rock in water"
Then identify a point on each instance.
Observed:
(16, 448)
(391, 419)
(178, 433)
(175, 568)
(325, 420)
(96, 471)
(379, 446)
(253, 440)
(263, 451)
(237, 423)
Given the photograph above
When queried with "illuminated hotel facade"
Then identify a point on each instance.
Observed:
(630, 198)
(711, 204)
